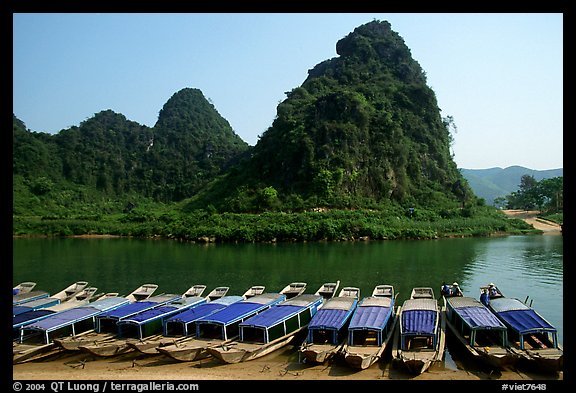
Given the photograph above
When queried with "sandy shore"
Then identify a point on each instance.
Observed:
(282, 365)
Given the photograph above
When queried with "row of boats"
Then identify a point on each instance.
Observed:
(328, 323)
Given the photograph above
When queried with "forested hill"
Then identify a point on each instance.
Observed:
(363, 129)
(113, 157)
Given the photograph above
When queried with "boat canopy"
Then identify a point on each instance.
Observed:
(283, 311)
(34, 305)
(180, 321)
(419, 317)
(139, 306)
(28, 296)
(281, 320)
(240, 310)
(29, 317)
(474, 314)
(371, 313)
(72, 316)
(520, 317)
(334, 314)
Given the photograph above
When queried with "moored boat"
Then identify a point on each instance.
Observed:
(419, 339)
(254, 290)
(220, 327)
(106, 340)
(39, 337)
(327, 331)
(294, 289)
(328, 290)
(74, 341)
(531, 337)
(180, 329)
(270, 330)
(217, 293)
(23, 287)
(371, 328)
(478, 331)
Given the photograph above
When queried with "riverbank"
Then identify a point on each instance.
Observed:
(282, 365)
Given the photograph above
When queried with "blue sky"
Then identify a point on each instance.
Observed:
(500, 76)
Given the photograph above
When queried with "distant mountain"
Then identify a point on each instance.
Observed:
(492, 183)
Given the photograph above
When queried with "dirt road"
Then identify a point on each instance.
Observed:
(531, 217)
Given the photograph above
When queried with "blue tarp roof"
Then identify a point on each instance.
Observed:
(525, 321)
(23, 318)
(76, 314)
(474, 313)
(329, 319)
(370, 317)
(64, 317)
(128, 309)
(272, 316)
(418, 322)
(240, 310)
(150, 314)
(519, 316)
(204, 309)
(283, 311)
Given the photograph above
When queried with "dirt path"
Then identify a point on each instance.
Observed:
(531, 217)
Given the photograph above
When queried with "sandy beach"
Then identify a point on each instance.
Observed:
(282, 365)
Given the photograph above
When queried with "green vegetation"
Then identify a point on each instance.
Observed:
(359, 151)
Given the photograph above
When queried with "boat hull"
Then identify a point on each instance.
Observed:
(237, 352)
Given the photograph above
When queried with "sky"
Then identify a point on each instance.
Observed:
(500, 76)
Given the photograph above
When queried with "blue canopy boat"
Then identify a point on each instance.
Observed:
(24, 297)
(371, 327)
(479, 331)
(36, 310)
(420, 339)
(38, 336)
(220, 327)
(183, 327)
(144, 327)
(327, 332)
(184, 324)
(530, 336)
(270, 330)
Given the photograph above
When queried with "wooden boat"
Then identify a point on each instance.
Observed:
(532, 338)
(217, 293)
(21, 298)
(219, 327)
(143, 329)
(74, 341)
(353, 292)
(371, 328)
(31, 295)
(23, 287)
(195, 290)
(294, 289)
(179, 330)
(254, 290)
(270, 330)
(328, 290)
(419, 340)
(70, 291)
(327, 331)
(36, 310)
(38, 337)
(111, 343)
(143, 292)
(478, 331)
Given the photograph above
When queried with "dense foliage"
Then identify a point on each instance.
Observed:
(364, 129)
(546, 194)
(359, 151)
